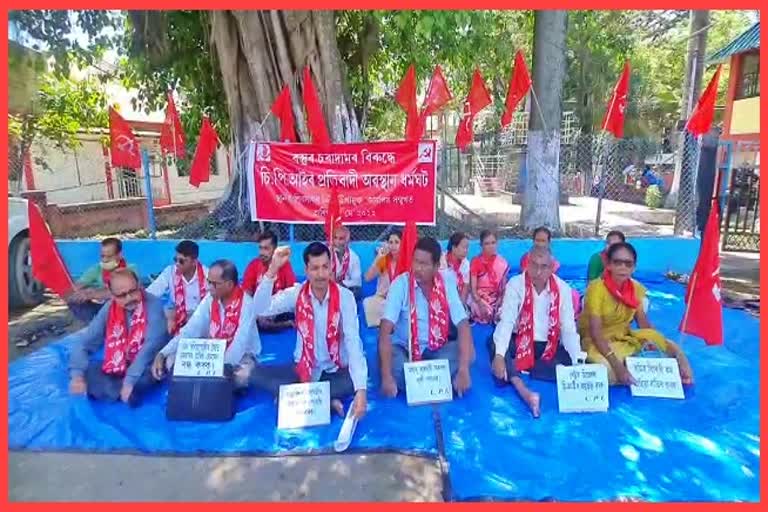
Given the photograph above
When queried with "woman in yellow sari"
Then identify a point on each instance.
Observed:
(612, 303)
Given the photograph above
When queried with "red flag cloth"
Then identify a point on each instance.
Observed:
(283, 111)
(172, 139)
(701, 120)
(477, 99)
(47, 265)
(406, 98)
(315, 120)
(438, 96)
(407, 246)
(704, 308)
(614, 117)
(123, 146)
(207, 142)
(519, 85)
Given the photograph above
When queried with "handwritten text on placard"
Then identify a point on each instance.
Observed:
(304, 405)
(428, 382)
(657, 377)
(582, 388)
(200, 357)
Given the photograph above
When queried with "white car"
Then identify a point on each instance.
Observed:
(23, 289)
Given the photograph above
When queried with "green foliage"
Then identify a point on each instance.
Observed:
(653, 197)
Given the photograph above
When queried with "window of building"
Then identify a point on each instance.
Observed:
(749, 79)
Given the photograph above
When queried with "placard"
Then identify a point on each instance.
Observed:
(428, 382)
(582, 388)
(657, 377)
(199, 357)
(304, 405)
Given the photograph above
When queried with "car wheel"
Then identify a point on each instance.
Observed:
(24, 289)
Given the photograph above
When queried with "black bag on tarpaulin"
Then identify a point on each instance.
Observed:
(201, 399)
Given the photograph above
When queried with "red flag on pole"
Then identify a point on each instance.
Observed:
(704, 308)
(438, 96)
(701, 119)
(207, 142)
(407, 246)
(315, 120)
(477, 99)
(283, 111)
(123, 145)
(47, 265)
(614, 117)
(172, 139)
(406, 98)
(519, 85)
(332, 222)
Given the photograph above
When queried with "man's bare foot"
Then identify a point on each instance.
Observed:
(337, 407)
(534, 403)
(686, 373)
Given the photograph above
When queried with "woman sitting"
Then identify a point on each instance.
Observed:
(455, 259)
(382, 267)
(611, 304)
(487, 278)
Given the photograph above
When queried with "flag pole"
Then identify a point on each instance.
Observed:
(600, 158)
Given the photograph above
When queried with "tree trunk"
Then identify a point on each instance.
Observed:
(542, 190)
(259, 52)
(694, 71)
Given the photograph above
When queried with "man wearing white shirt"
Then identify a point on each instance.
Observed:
(346, 263)
(184, 282)
(537, 330)
(328, 344)
(226, 313)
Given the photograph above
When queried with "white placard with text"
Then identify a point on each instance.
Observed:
(582, 388)
(657, 377)
(428, 382)
(304, 405)
(199, 357)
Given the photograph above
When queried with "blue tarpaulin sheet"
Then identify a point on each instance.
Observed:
(705, 447)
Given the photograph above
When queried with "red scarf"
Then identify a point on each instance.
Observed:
(524, 355)
(106, 275)
(121, 344)
(282, 280)
(179, 297)
(483, 265)
(455, 264)
(344, 265)
(226, 330)
(305, 328)
(624, 294)
(391, 265)
(438, 315)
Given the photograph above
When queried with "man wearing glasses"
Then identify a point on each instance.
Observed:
(225, 313)
(184, 282)
(131, 328)
(537, 330)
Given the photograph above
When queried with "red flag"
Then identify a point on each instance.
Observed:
(477, 99)
(315, 120)
(332, 221)
(438, 96)
(701, 120)
(407, 246)
(47, 265)
(519, 85)
(614, 116)
(172, 139)
(207, 142)
(406, 98)
(704, 308)
(283, 111)
(123, 146)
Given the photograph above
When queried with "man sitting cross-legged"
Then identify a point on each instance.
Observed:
(423, 306)
(226, 313)
(328, 345)
(131, 328)
(537, 330)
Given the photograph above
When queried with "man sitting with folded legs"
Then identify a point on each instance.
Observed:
(131, 328)
(328, 345)
(424, 309)
(346, 263)
(226, 313)
(537, 330)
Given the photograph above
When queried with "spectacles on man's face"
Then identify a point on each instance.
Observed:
(215, 284)
(619, 262)
(126, 294)
(180, 260)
